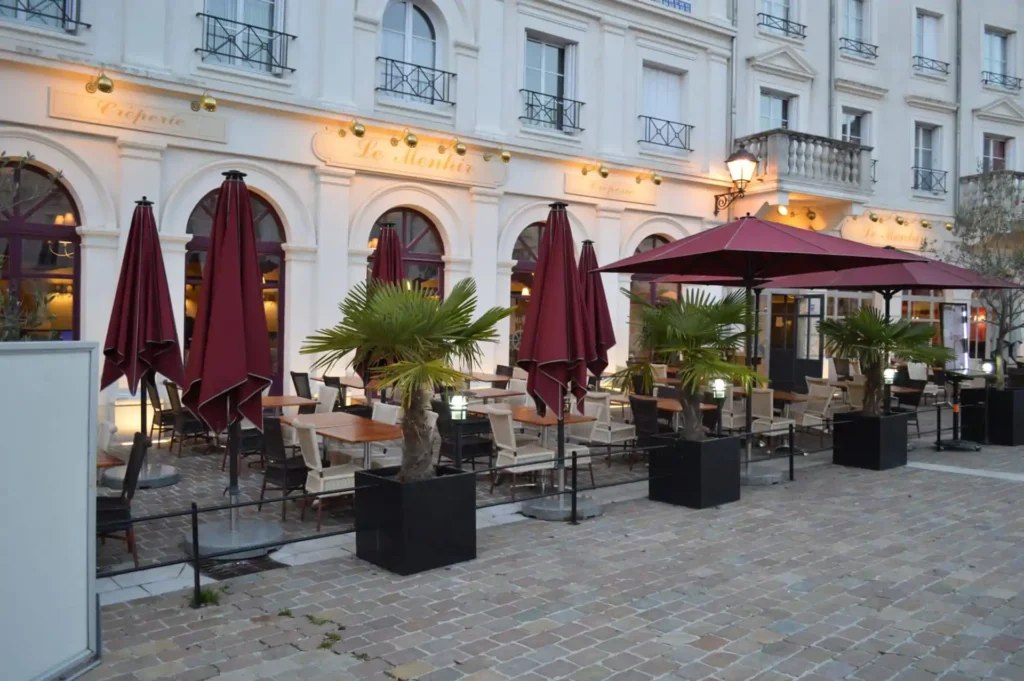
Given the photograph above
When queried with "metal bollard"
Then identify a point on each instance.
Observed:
(792, 476)
(938, 426)
(196, 596)
(574, 519)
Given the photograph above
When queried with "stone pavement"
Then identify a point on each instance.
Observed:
(909, 574)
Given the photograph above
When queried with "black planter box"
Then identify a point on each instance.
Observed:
(877, 443)
(1005, 415)
(409, 527)
(696, 474)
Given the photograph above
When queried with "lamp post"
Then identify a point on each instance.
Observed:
(718, 392)
(741, 164)
(987, 367)
(888, 376)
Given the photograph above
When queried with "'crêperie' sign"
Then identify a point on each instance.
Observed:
(109, 110)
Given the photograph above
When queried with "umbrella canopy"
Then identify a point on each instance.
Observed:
(598, 317)
(557, 344)
(700, 280)
(388, 265)
(229, 360)
(894, 277)
(751, 249)
(142, 337)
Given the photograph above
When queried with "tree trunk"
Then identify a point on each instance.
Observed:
(873, 390)
(418, 454)
(691, 419)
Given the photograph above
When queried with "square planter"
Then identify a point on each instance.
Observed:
(1005, 415)
(876, 443)
(410, 527)
(696, 474)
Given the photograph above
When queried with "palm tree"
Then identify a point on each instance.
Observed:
(695, 334)
(871, 338)
(410, 339)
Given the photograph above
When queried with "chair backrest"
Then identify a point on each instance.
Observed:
(502, 429)
(104, 434)
(273, 441)
(502, 370)
(762, 403)
(660, 370)
(594, 408)
(855, 394)
(518, 385)
(154, 395)
(135, 461)
(645, 415)
(833, 372)
(520, 373)
(386, 413)
(842, 367)
(819, 399)
(333, 382)
(638, 385)
(326, 397)
(300, 380)
(815, 380)
(173, 396)
(914, 398)
(604, 399)
(308, 447)
(917, 371)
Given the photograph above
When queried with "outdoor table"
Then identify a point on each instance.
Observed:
(365, 432)
(903, 390)
(282, 401)
(346, 382)
(493, 393)
(328, 419)
(956, 444)
(104, 460)
(488, 378)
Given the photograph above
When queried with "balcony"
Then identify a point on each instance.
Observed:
(929, 65)
(858, 48)
(665, 133)
(808, 164)
(1003, 185)
(781, 26)
(679, 5)
(60, 15)
(414, 82)
(1000, 80)
(929, 180)
(549, 111)
(244, 46)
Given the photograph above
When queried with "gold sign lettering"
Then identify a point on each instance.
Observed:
(104, 110)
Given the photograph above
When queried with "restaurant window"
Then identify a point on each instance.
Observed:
(422, 248)
(40, 249)
(775, 110)
(995, 153)
(245, 34)
(844, 304)
(644, 286)
(923, 306)
(270, 235)
(978, 334)
(525, 254)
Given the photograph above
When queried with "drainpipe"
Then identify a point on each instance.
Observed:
(832, 40)
(730, 133)
(958, 143)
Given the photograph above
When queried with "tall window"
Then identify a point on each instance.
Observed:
(59, 14)
(926, 36)
(549, 85)
(853, 20)
(995, 153)
(269, 237)
(245, 34)
(923, 306)
(774, 111)
(853, 129)
(644, 286)
(996, 50)
(924, 146)
(525, 254)
(978, 338)
(409, 55)
(39, 248)
(779, 9)
(422, 248)
(663, 94)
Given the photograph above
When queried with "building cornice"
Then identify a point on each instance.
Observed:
(930, 104)
(854, 87)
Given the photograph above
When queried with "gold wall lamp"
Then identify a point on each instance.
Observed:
(457, 146)
(654, 177)
(502, 153)
(102, 83)
(356, 128)
(409, 137)
(207, 103)
(601, 169)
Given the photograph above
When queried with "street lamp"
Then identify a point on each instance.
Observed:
(888, 376)
(458, 406)
(741, 165)
(718, 392)
(987, 367)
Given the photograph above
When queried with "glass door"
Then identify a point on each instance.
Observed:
(795, 345)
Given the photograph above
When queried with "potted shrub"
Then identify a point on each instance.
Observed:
(415, 516)
(694, 335)
(1003, 408)
(874, 438)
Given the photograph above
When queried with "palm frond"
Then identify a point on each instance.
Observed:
(409, 377)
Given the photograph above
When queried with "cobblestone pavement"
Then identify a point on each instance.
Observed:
(908, 574)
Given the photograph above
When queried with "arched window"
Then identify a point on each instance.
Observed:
(525, 254)
(39, 248)
(643, 285)
(408, 63)
(269, 237)
(422, 248)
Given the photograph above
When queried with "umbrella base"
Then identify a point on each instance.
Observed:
(217, 538)
(755, 476)
(559, 508)
(151, 475)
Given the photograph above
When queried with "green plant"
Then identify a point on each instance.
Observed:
(695, 335)
(409, 340)
(286, 612)
(872, 339)
(18, 319)
(313, 619)
(209, 596)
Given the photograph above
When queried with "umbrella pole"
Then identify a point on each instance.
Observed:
(751, 362)
(146, 378)
(561, 446)
(234, 434)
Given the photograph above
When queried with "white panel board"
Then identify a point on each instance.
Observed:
(48, 506)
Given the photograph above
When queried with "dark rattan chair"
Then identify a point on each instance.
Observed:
(283, 472)
(163, 419)
(186, 424)
(645, 421)
(474, 442)
(114, 514)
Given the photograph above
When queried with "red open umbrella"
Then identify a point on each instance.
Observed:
(598, 317)
(229, 360)
(388, 265)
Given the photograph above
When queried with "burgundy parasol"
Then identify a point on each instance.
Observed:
(388, 265)
(598, 317)
(229, 359)
(700, 280)
(142, 338)
(557, 345)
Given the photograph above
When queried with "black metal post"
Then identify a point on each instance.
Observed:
(985, 415)
(147, 376)
(792, 433)
(574, 518)
(938, 426)
(887, 395)
(196, 595)
(719, 401)
(234, 442)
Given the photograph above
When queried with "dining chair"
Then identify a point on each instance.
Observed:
(766, 421)
(816, 412)
(665, 419)
(473, 445)
(918, 371)
(282, 472)
(114, 514)
(645, 422)
(911, 402)
(163, 419)
(529, 458)
(334, 382)
(186, 424)
(335, 481)
(660, 371)
(732, 417)
(300, 379)
(601, 432)
(520, 373)
(501, 370)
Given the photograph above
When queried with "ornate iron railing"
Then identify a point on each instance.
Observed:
(416, 82)
(859, 48)
(680, 5)
(232, 42)
(1000, 80)
(929, 180)
(874, 170)
(780, 25)
(929, 64)
(665, 133)
(59, 14)
(549, 111)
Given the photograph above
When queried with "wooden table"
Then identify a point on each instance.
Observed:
(281, 401)
(104, 460)
(493, 393)
(328, 419)
(488, 378)
(366, 432)
(903, 390)
(529, 416)
(668, 381)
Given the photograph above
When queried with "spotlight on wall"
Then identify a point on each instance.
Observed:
(409, 137)
(926, 224)
(458, 147)
(949, 226)
(811, 215)
(602, 171)
(356, 128)
(206, 103)
(503, 154)
(899, 219)
(873, 217)
(783, 210)
(102, 83)
(654, 177)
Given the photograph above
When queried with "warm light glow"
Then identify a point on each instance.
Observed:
(783, 210)
(718, 388)
(741, 165)
(59, 220)
(889, 375)
(526, 292)
(987, 367)
(69, 219)
(372, 243)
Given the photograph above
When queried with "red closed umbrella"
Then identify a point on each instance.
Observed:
(388, 265)
(598, 317)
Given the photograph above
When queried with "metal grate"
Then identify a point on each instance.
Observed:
(415, 82)
(550, 111)
(859, 48)
(1000, 80)
(780, 25)
(929, 64)
(929, 180)
(226, 569)
(233, 42)
(666, 133)
(58, 14)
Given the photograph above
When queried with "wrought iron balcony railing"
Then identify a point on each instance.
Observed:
(58, 14)
(550, 111)
(680, 5)
(252, 47)
(780, 25)
(929, 180)
(929, 64)
(859, 48)
(874, 170)
(665, 133)
(415, 82)
(1000, 80)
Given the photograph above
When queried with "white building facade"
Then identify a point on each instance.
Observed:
(626, 110)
